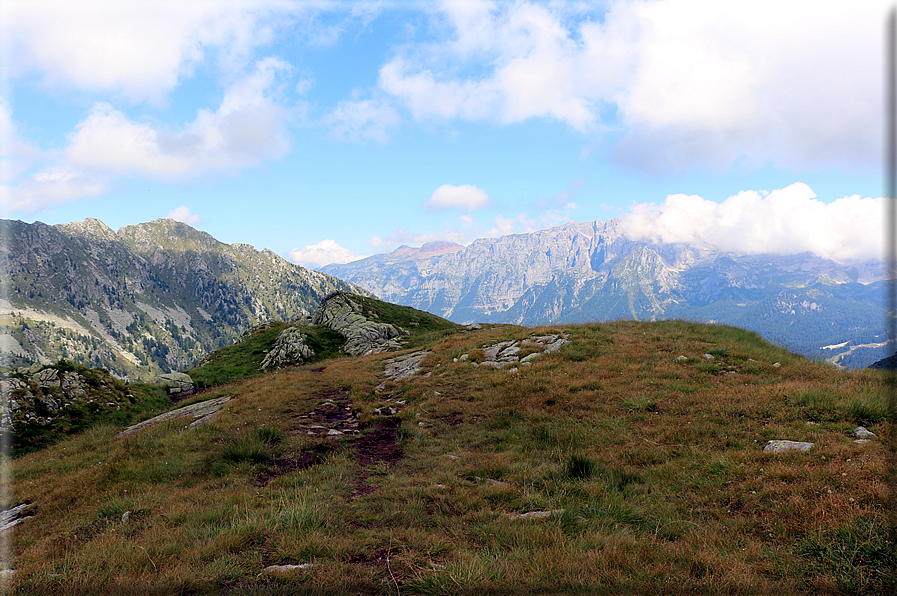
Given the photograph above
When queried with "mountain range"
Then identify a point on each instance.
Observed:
(159, 296)
(585, 272)
(142, 300)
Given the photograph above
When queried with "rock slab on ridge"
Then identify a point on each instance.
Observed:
(363, 336)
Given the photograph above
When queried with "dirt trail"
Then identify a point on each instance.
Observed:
(333, 418)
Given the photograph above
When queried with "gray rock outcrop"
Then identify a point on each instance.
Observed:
(507, 353)
(289, 348)
(40, 395)
(201, 412)
(363, 336)
(403, 367)
(178, 384)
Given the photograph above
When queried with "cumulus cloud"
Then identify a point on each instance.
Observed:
(247, 128)
(183, 215)
(785, 221)
(323, 253)
(31, 178)
(531, 62)
(465, 196)
(795, 84)
(50, 186)
(141, 50)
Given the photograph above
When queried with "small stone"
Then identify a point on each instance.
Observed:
(779, 446)
(474, 327)
(535, 514)
(453, 457)
(682, 359)
(333, 432)
(288, 568)
(709, 356)
(776, 364)
(862, 441)
(513, 369)
(464, 357)
(863, 433)
(125, 517)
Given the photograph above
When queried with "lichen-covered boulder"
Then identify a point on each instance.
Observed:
(178, 384)
(289, 348)
(363, 336)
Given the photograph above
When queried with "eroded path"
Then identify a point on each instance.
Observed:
(372, 444)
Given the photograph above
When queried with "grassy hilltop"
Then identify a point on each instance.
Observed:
(638, 460)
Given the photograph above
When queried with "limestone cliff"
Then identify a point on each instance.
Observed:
(582, 272)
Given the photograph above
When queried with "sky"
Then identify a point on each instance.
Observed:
(327, 131)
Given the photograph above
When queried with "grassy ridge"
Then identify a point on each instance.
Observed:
(655, 460)
(242, 359)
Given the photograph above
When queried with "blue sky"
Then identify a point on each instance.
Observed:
(327, 131)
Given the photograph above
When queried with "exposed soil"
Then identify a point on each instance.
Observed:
(378, 558)
(377, 447)
(333, 418)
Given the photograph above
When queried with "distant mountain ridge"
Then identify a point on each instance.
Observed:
(148, 298)
(582, 272)
(428, 249)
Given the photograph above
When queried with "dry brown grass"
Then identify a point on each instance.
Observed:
(670, 492)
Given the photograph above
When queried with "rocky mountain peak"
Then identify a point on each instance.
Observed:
(91, 226)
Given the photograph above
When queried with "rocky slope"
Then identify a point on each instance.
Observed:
(584, 272)
(146, 299)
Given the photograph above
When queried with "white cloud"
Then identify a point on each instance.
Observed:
(323, 253)
(18, 154)
(139, 49)
(465, 196)
(183, 214)
(794, 83)
(786, 221)
(530, 58)
(362, 119)
(50, 186)
(247, 128)
(32, 179)
(505, 226)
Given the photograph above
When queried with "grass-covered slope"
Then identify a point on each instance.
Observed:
(244, 358)
(649, 467)
(62, 399)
